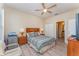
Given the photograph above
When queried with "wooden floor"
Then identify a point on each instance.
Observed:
(58, 50)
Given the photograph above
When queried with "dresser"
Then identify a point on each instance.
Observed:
(72, 47)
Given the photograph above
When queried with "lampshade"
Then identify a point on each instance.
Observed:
(41, 29)
(22, 30)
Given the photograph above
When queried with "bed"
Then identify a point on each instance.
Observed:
(40, 43)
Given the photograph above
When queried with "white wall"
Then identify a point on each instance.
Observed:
(62, 17)
(71, 27)
(49, 31)
(15, 20)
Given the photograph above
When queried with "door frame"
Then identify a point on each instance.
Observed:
(57, 28)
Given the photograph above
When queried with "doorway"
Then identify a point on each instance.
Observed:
(60, 30)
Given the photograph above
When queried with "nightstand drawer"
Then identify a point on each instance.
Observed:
(22, 40)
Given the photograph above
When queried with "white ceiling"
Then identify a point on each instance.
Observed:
(30, 7)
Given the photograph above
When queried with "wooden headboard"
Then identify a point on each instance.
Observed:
(32, 30)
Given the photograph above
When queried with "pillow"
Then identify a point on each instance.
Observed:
(36, 33)
(31, 34)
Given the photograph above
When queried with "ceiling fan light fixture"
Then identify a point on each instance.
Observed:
(45, 10)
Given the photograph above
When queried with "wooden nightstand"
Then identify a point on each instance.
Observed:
(22, 40)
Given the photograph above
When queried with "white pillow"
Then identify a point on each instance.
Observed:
(31, 34)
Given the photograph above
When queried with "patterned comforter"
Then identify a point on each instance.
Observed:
(41, 41)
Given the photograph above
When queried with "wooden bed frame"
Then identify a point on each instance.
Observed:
(44, 49)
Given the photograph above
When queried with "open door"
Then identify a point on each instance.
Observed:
(60, 30)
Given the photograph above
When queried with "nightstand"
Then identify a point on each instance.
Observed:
(22, 40)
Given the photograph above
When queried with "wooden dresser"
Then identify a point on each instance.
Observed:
(73, 47)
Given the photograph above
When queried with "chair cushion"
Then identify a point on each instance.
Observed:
(12, 39)
(14, 52)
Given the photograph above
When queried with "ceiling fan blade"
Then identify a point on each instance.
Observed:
(37, 10)
(42, 13)
(43, 5)
(49, 11)
(51, 6)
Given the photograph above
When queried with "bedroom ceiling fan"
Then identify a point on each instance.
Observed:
(45, 9)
